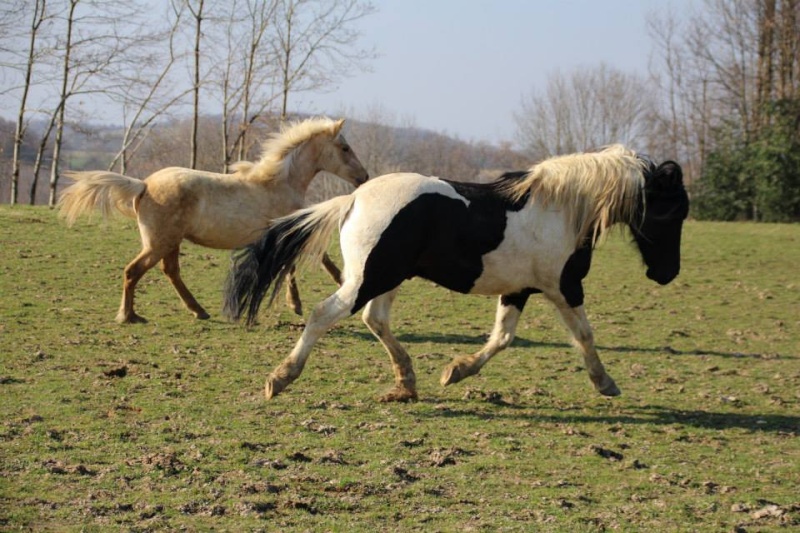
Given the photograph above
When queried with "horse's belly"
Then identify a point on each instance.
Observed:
(504, 274)
(226, 234)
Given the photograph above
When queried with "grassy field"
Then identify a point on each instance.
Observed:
(163, 426)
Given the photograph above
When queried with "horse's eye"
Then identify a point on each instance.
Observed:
(345, 148)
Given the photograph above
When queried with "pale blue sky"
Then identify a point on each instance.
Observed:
(462, 66)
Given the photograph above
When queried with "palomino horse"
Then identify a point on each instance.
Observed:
(529, 232)
(223, 211)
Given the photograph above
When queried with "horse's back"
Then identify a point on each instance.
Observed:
(470, 239)
(209, 209)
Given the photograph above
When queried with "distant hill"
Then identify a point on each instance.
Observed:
(382, 149)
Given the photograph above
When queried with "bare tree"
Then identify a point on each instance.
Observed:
(719, 66)
(90, 47)
(584, 110)
(149, 93)
(247, 73)
(196, 10)
(375, 135)
(789, 50)
(681, 124)
(37, 16)
(64, 95)
(722, 43)
(315, 43)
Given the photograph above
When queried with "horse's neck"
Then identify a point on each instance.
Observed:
(302, 168)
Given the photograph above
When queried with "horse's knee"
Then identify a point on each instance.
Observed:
(583, 338)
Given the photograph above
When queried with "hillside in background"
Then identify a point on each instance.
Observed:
(382, 148)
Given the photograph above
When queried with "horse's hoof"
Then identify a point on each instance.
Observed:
(298, 310)
(273, 387)
(202, 315)
(132, 318)
(450, 375)
(399, 394)
(609, 388)
(457, 371)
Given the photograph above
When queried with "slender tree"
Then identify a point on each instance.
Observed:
(584, 110)
(37, 17)
(315, 44)
(246, 75)
(149, 94)
(196, 10)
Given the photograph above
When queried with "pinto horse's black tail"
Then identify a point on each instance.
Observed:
(302, 236)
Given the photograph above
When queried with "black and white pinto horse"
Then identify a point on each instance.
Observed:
(528, 232)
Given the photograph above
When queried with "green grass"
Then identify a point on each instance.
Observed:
(704, 437)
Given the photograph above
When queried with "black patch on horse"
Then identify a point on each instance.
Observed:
(439, 238)
(575, 269)
(518, 299)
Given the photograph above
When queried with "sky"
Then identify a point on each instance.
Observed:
(462, 67)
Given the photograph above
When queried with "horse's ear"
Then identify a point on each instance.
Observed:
(671, 173)
(337, 126)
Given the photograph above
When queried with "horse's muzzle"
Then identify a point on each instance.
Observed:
(662, 277)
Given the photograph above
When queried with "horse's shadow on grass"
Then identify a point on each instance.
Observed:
(649, 415)
(520, 342)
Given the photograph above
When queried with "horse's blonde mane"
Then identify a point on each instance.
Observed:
(596, 190)
(276, 155)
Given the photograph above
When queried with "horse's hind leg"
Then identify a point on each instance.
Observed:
(293, 293)
(331, 268)
(376, 317)
(575, 319)
(143, 262)
(509, 309)
(325, 315)
(171, 267)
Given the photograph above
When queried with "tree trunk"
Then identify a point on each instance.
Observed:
(766, 53)
(19, 132)
(788, 50)
(60, 111)
(198, 15)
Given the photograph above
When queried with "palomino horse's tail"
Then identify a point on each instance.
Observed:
(107, 191)
(302, 236)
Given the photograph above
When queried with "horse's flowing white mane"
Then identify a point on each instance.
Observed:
(595, 190)
(276, 155)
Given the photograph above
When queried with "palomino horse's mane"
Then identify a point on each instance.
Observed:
(596, 190)
(276, 155)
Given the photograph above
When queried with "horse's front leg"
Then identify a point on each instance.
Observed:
(376, 316)
(323, 317)
(509, 309)
(575, 320)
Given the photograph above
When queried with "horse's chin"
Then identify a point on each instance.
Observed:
(662, 278)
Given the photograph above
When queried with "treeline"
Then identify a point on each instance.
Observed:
(151, 63)
(382, 144)
(722, 97)
(730, 80)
